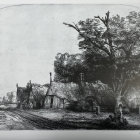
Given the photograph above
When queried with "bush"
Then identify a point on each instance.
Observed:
(72, 106)
(77, 106)
(114, 123)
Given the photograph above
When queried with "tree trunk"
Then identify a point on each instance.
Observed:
(118, 108)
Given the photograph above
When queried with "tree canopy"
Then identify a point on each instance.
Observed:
(68, 67)
(111, 48)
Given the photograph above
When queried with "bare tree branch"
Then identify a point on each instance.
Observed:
(94, 43)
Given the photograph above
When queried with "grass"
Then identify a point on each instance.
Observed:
(85, 120)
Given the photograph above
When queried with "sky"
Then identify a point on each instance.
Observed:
(32, 35)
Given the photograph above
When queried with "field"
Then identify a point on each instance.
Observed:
(54, 119)
(85, 120)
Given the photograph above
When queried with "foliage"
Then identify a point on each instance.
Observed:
(10, 97)
(68, 67)
(111, 47)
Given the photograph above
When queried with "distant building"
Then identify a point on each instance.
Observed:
(133, 99)
(23, 94)
(1, 99)
(31, 96)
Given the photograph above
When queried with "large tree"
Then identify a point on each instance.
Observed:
(116, 41)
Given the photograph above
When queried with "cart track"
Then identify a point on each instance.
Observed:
(43, 123)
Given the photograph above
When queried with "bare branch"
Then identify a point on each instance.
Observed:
(70, 25)
(95, 44)
(104, 20)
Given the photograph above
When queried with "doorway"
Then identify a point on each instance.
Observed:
(51, 103)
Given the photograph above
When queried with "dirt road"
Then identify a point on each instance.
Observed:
(22, 120)
(42, 123)
(11, 121)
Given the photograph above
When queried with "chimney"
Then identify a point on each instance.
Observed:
(17, 85)
(81, 77)
(50, 77)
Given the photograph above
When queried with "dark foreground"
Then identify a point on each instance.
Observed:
(58, 120)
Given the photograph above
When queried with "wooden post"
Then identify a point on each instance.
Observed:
(139, 109)
(97, 110)
(63, 103)
(81, 77)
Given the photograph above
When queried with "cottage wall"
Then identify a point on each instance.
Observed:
(47, 102)
(54, 102)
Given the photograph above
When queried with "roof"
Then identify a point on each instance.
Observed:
(70, 90)
(63, 90)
